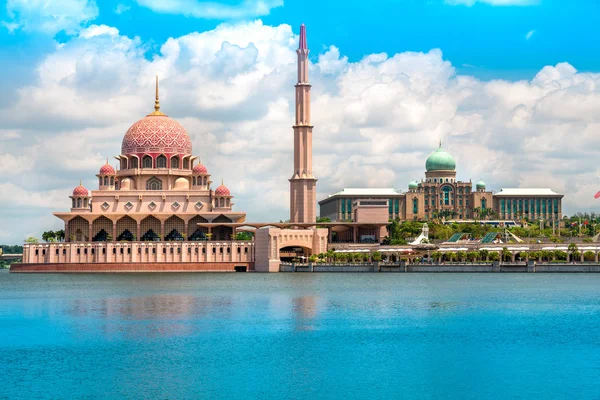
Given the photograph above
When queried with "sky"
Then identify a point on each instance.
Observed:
(512, 87)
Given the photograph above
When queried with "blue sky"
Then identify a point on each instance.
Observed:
(511, 86)
(485, 40)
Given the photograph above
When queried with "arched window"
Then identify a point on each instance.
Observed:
(194, 180)
(134, 162)
(112, 181)
(123, 163)
(227, 202)
(85, 203)
(186, 163)
(434, 180)
(175, 162)
(161, 162)
(79, 203)
(74, 203)
(147, 162)
(447, 194)
(415, 206)
(483, 204)
(100, 181)
(154, 184)
(106, 181)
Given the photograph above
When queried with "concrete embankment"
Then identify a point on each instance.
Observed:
(432, 268)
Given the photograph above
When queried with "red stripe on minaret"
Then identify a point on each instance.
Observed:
(302, 37)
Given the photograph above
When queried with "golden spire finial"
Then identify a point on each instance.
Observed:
(106, 160)
(156, 102)
(80, 182)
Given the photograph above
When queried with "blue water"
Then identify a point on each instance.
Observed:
(299, 336)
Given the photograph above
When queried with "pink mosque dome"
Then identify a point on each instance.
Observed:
(200, 169)
(80, 191)
(156, 133)
(222, 191)
(107, 169)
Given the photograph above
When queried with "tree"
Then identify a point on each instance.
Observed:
(376, 256)
(244, 235)
(312, 258)
(589, 256)
(461, 255)
(494, 256)
(506, 254)
(483, 254)
(60, 235)
(31, 240)
(48, 236)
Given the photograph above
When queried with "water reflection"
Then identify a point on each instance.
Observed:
(146, 317)
(305, 310)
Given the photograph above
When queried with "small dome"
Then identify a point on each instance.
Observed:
(107, 169)
(440, 160)
(200, 169)
(181, 184)
(413, 185)
(222, 191)
(80, 191)
(480, 185)
(127, 184)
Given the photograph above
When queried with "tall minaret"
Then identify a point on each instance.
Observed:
(303, 185)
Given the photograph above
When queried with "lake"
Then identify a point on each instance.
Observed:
(298, 336)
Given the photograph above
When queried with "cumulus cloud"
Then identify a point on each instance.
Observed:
(376, 120)
(49, 17)
(212, 10)
(469, 3)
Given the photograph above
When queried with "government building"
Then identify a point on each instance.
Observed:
(440, 195)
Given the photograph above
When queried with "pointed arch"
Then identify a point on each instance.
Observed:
(79, 224)
(99, 224)
(126, 228)
(146, 161)
(175, 162)
(150, 228)
(174, 228)
(161, 161)
(154, 184)
(196, 232)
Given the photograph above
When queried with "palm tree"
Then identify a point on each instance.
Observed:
(48, 236)
(60, 235)
(506, 254)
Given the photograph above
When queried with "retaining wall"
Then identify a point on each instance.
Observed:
(129, 267)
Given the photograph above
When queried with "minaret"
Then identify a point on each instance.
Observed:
(303, 185)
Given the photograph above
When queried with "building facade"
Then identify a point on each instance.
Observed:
(441, 195)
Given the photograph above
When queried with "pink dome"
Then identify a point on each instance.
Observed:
(222, 191)
(200, 169)
(156, 134)
(107, 169)
(80, 191)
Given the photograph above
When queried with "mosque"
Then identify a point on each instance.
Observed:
(157, 211)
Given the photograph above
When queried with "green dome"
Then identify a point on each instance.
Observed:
(480, 185)
(413, 185)
(440, 160)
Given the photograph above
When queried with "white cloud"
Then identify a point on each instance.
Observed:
(212, 10)
(469, 3)
(529, 34)
(376, 120)
(50, 17)
(121, 8)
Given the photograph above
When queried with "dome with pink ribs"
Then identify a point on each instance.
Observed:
(156, 134)
(80, 191)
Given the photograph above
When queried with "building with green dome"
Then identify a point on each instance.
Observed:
(441, 195)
